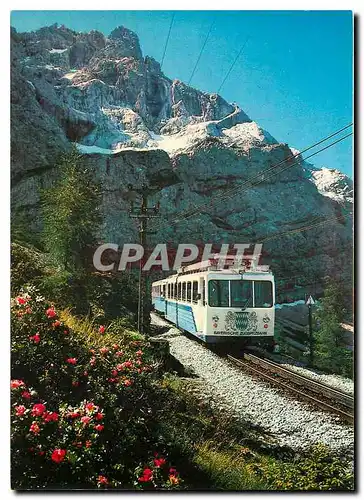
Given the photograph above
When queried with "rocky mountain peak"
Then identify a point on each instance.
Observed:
(192, 148)
(127, 41)
(333, 184)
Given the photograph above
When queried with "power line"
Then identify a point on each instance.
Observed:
(233, 64)
(259, 174)
(167, 40)
(250, 184)
(272, 170)
(200, 54)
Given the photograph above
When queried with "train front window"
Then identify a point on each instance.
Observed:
(241, 293)
(263, 296)
(218, 293)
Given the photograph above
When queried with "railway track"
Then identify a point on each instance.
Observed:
(317, 393)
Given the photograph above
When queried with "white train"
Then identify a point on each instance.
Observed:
(218, 305)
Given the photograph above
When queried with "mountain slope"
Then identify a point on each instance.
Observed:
(191, 148)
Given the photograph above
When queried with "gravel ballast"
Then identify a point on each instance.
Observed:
(335, 381)
(290, 423)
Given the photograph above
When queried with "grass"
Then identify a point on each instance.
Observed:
(229, 471)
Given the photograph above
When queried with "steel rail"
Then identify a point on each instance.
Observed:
(349, 417)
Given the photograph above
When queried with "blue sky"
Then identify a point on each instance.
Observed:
(294, 76)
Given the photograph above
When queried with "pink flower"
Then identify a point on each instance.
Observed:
(73, 414)
(71, 361)
(50, 416)
(115, 346)
(56, 324)
(147, 476)
(26, 395)
(58, 455)
(128, 364)
(88, 444)
(127, 382)
(85, 420)
(34, 428)
(14, 384)
(51, 313)
(66, 332)
(99, 427)
(35, 338)
(92, 361)
(20, 410)
(139, 353)
(120, 368)
(158, 462)
(102, 480)
(75, 383)
(102, 329)
(119, 353)
(20, 300)
(99, 416)
(91, 406)
(38, 410)
(114, 373)
(104, 350)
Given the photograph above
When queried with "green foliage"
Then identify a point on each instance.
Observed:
(27, 266)
(71, 213)
(113, 296)
(64, 364)
(228, 470)
(331, 353)
(319, 469)
(22, 229)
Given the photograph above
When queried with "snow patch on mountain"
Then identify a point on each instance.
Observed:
(248, 134)
(333, 184)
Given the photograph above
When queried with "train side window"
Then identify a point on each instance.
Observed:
(169, 290)
(179, 291)
(164, 290)
(218, 293)
(263, 296)
(184, 291)
(203, 292)
(189, 291)
(175, 291)
(195, 292)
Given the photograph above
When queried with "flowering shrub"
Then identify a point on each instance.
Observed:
(61, 381)
(157, 475)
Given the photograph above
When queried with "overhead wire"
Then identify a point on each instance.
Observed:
(271, 170)
(200, 54)
(167, 40)
(233, 64)
(218, 198)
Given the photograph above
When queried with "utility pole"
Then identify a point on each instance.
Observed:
(310, 302)
(142, 213)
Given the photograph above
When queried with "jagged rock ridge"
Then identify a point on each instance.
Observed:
(137, 126)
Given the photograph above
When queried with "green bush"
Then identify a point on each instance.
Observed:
(27, 266)
(63, 368)
(319, 469)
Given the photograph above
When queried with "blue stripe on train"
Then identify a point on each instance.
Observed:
(159, 304)
(186, 320)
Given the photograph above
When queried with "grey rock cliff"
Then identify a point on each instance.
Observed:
(191, 148)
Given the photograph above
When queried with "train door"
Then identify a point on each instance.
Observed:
(202, 304)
